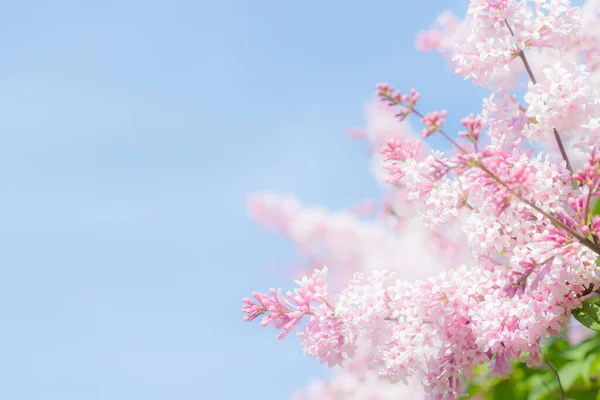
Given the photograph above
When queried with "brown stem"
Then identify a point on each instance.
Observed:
(459, 147)
(523, 58)
(526, 63)
(564, 154)
(560, 387)
(586, 242)
(587, 290)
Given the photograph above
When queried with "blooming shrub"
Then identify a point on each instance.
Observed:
(522, 224)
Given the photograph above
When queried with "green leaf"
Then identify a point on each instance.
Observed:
(589, 314)
(580, 351)
(580, 395)
(504, 390)
(569, 374)
(542, 386)
(596, 208)
(595, 367)
(586, 369)
(482, 369)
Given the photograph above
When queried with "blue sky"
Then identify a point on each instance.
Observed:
(132, 132)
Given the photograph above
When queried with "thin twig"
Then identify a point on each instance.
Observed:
(550, 390)
(563, 152)
(560, 387)
(583, 240)
(526, 63)
(586, 242)
(561, 147)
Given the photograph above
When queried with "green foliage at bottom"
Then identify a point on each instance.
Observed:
(578, 368)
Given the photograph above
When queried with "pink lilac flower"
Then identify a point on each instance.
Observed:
(433, 122)
(562, 99)
(399, 156)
